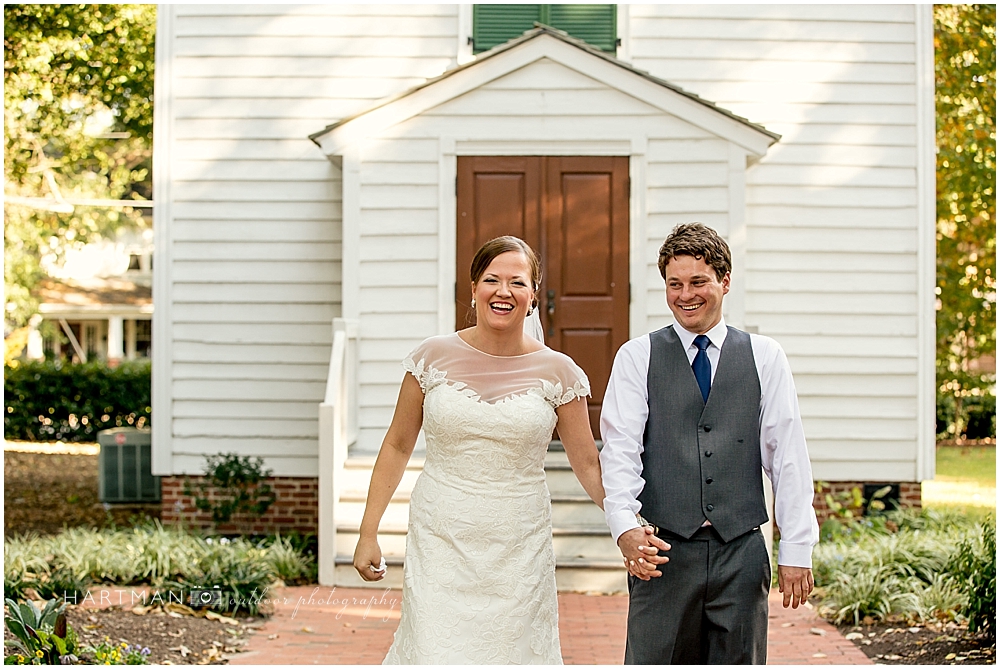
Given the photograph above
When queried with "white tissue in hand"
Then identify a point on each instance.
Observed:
(381, 566)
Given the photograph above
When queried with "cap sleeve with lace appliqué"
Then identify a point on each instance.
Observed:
(424, 362)
(562, 380)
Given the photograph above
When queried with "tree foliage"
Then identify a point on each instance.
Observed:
(78, 124)
(965, 87)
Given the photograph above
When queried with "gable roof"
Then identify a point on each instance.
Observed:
(545, 42)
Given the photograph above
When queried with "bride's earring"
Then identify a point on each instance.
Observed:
(473, 304)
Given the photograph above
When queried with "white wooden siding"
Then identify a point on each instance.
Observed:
(255, 238)
(830, 267)
(832, 230)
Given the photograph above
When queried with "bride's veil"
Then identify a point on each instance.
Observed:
(533, 326)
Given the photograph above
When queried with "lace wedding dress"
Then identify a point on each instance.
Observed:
(479, 578)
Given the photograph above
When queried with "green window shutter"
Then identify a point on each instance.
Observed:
(496, 24)
(594, 24)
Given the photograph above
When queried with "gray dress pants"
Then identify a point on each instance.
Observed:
(709, 607)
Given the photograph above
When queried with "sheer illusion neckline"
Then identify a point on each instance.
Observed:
(520, 355)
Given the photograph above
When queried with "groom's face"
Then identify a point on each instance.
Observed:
(694, 293)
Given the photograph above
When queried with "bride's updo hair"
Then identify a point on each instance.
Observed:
(491, 249)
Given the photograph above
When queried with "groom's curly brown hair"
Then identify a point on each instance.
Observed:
(701, 242)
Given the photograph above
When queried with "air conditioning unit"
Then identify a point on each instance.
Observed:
(126, 466)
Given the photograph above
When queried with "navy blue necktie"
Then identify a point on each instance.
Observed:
(702, 367)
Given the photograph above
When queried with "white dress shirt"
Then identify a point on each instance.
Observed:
(783, 451)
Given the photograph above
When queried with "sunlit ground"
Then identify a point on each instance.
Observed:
(966, 479)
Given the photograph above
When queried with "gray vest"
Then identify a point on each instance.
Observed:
(701, 460)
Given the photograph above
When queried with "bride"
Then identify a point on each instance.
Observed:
(479, 578)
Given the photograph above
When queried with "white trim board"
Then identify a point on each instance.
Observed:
(162, 366)
(926, 245)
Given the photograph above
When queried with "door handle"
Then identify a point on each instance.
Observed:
(550, 308)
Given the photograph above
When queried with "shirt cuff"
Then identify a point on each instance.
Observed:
(621, 522)
(794, 555)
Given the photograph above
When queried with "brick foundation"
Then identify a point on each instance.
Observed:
(297, 504)
(909, 494)
(296, 507)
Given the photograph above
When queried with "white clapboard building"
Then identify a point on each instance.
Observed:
(323, 175)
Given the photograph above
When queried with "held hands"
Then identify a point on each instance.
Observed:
(795, 583)
(640, 548)
(368, 560)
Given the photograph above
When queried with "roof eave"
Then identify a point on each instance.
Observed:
(534, 33)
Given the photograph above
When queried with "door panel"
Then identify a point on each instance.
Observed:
(587, 291)
(574, 212)
(496, 196)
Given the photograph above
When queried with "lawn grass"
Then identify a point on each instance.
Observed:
(975, 463)
(966, 480)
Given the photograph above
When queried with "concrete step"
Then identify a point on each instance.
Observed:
(572, 575)
(575, 543)
(358, 473)
(568, 511)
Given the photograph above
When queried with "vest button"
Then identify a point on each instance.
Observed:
(709, 479)
(710, 507)
(708, 454)
(708, 428)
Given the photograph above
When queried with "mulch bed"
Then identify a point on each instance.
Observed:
(939, 643)
(45, 492)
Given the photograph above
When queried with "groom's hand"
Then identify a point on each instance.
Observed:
(640, 548)
(795, 583)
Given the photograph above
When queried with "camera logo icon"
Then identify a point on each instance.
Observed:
(206, 597)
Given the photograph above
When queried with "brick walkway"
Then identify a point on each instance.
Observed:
(354, 626)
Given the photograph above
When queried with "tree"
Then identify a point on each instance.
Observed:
(965, 93)
(78, 124)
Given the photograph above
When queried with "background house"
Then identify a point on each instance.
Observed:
(803, 133)
(99, 299)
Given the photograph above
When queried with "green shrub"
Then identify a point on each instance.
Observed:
(51, 401)
(234, 488)
(974, 566)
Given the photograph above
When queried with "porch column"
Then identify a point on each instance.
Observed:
(35, 347)
(116, 339)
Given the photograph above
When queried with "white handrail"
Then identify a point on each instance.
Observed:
(337, 431)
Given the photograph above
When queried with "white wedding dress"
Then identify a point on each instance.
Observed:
(479, 577)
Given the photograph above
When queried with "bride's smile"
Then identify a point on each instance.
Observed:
(503, 294)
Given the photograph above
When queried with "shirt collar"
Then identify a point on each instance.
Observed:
(717, 335)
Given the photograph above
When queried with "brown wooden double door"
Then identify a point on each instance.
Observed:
(574, 212)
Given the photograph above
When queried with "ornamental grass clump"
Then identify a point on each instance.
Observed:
(895, 565)
(67, 564)
(289, 563)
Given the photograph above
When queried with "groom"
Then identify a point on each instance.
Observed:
(691, 414)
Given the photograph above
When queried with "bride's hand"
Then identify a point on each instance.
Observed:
(640, 549)
(367, 558)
